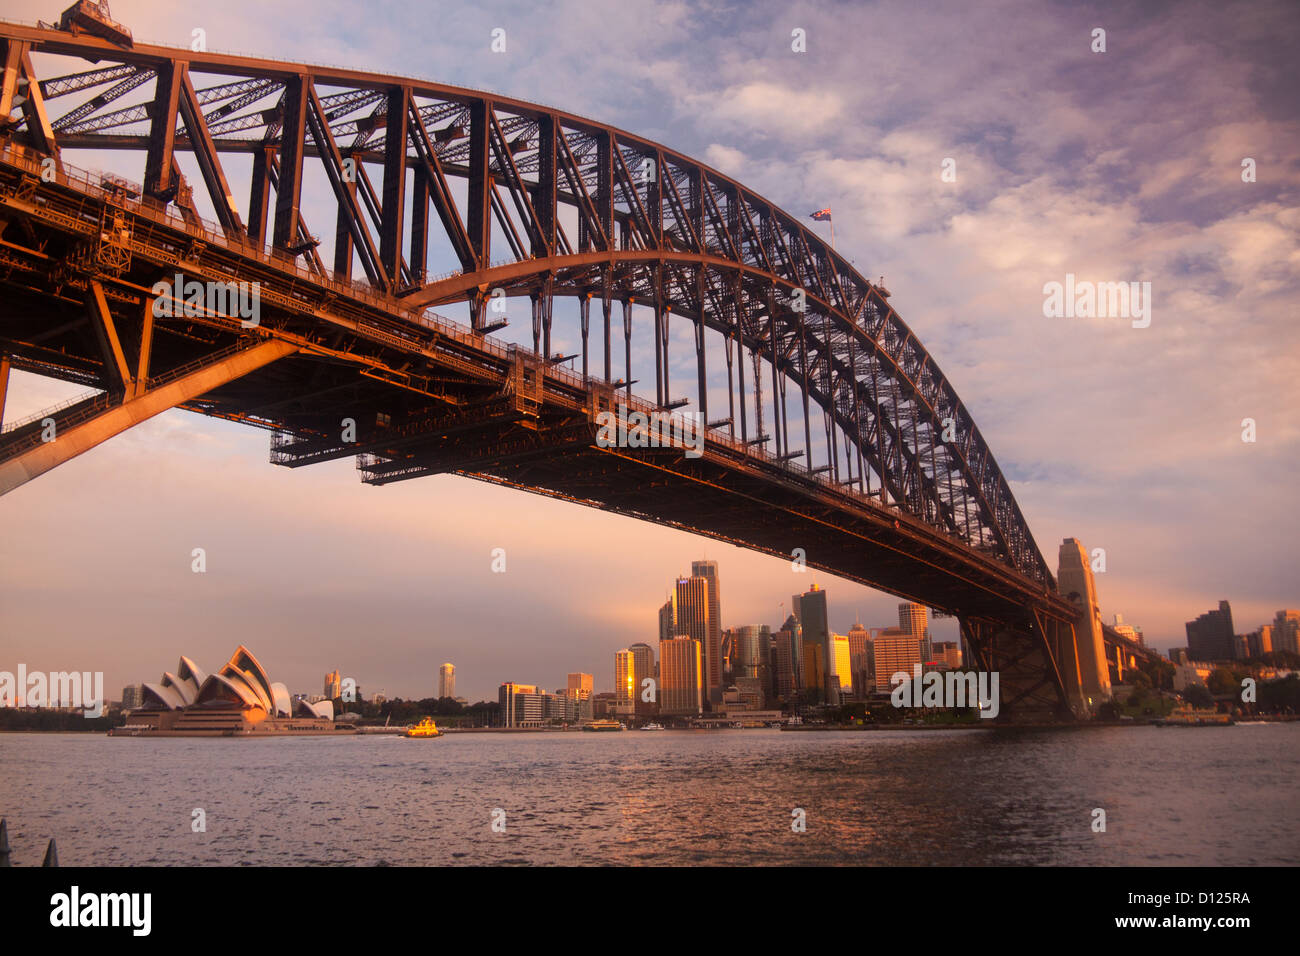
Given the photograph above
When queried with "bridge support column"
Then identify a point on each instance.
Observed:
(83, 433)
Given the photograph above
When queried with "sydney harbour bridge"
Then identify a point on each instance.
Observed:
(883, 478)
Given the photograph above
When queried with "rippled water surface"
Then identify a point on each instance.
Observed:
(1192, 796)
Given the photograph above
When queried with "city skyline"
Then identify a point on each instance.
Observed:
(939, 630)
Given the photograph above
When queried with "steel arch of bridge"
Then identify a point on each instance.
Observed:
(654, 227)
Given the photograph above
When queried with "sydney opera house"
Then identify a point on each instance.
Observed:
(239, 700)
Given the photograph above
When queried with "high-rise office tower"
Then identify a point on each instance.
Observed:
(842, 655)
(749, 652)
(785, 656)
(713, 641)
(912, 619)
(1210, 637)
(681, 676)
(691, 617)
(625, 685)
(447, 681)
(859, 662)
(817, 661)
(896, 650)
(643, 667)
(333, 686)
(1076, 584)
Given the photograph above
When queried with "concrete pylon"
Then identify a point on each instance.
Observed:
(1077, 585)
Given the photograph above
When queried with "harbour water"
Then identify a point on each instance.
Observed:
(1173, 796)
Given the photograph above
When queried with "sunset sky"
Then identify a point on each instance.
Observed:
(1116, 166)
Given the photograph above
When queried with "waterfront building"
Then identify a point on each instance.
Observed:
(1211, 636)
(238, 700)
(522, 705)
(681, 676)
(447, 681)
(132, 696)
(895, 650)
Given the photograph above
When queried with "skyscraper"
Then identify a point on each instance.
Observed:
(666, 620)
(912, 620)
(817, 661)
(333, 686)
(643, 666)
(1210, 637)
(785, 656)
(681, 673)
(859, 659)
(447, 681)
(896, 650)
(842, 656)
(625, 686)
(713, 640)
(1075, 582)
(691, 617)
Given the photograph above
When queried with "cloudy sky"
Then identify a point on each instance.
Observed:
(1117, 166)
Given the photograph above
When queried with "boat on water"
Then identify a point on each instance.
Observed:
(1194, 717)
(653, 726)
(423, 730)
(600, 725)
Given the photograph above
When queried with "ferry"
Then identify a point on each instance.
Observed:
(1194, 717)
(424, 729)
(599, 725)
(653, 726)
